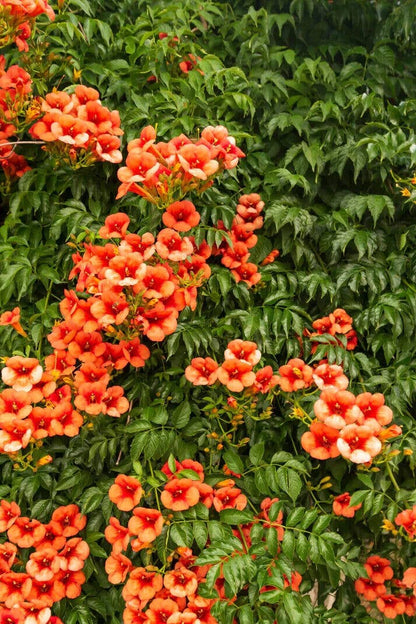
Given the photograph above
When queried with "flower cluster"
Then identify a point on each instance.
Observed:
(39, 401)
(138, 288)
(373, 588)
(179, 493)
(124, 291)
(349, 425)
(236, 255)
(53, 569)
(150, 595)
(77, 128)
(236, 372)
(171, 595)
(337, 324)
(19, 17)
(15, 89)
(165, 172)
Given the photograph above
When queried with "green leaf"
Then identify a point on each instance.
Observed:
(289, 482)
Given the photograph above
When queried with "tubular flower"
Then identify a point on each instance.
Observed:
(26, 532)
(13, 318)
(409, 579)
(68, 520)
(160, 610)
(71, 123)
(170, 246)
(243, 350)
(337, 408)
(407, 520)
(358, 444)
(179, 494)
(373, 408)
(236, 374)
(143, 584)
(329, 376)
(341, 506)
(126, 492)
(295, 375)
(115, 226)
(117, 567)
(9, 513)
(229, 498)
(181, 216)
(147, 524)
(202, 371)
(378, 569)
(369, 589)
(181, 582)
(391, 605)
(321, 441)
(117, 535)
(265, 380)
(21, 373)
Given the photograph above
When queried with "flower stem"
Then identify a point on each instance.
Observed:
(393, 480)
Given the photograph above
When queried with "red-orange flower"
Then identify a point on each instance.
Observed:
(202, 371)
(369, 589)
(26, 532)
(9, 512)
(243, 350)
(8, 554)
(117, 567)
(229, 498)
(196, 160)
(341, 506)
(372, 406)
(69, 519)
(181, 582)
(328, 376)
(321, 441)
(117, 535)
(21, 373)
(358, 444)
(247, 272)
(143, 583)
(409, 578)
(391, 605)
(90, 398)
(265, 380)
(13, 318)
(15, 587)
(295, 375)
(407, 520)
(72, 582)
(170, 246)
(125, 492)
(236, 374)
(44, 564)
(75, 552)
(181, 216)
(146, 523)
(179, 494)
(337, 408)
(378, 569)
(115, 226)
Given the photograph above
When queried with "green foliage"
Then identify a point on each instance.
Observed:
(322, 96)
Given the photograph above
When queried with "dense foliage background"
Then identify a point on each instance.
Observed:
(321, 96)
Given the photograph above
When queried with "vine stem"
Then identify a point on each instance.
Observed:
(392, 478)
